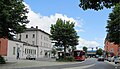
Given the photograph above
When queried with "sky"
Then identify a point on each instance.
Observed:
(90, 24)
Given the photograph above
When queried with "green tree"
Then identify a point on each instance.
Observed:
(99, 52)
(113, 26)
(53, 51)
(85, 49)
(97, 4)
(64, 34)
(12, 18)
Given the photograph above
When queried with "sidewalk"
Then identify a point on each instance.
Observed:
(112, 63)
(32, 63)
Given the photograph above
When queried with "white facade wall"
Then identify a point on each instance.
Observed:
(41, 39)
(12, 50)
(15, 47)
(44, 44)
(30, 38)
(29, 50)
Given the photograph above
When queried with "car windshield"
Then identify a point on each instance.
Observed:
(100, 57)
(118, 58)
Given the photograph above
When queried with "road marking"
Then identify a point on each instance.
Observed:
(81, 67)
(115, 67)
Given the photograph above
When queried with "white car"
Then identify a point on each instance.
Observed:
(117, 60)
(31, 57)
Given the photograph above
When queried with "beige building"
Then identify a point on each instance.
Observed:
(39, 38)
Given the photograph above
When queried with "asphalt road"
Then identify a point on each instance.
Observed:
(87, 64)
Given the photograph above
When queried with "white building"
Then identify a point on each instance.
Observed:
(38, 37)
(16, 49)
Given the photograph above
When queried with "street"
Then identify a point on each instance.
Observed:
(91, 63)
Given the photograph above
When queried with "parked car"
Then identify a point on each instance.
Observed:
(101, 58)
(111, 59)
(117, 60)
(31, 57)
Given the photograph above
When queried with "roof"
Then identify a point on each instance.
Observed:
(24, 43)
(36, 29)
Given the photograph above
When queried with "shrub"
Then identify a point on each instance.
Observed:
(68, 59)
(2, 60)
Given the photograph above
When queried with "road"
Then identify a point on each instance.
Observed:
(87, 64)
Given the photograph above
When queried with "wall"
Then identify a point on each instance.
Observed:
(29, 50)
(41, 39)
(111, 47)
(13, 50)
(3, 46)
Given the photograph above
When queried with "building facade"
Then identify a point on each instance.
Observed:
(112, 49)
(15, 49)
(39, 38)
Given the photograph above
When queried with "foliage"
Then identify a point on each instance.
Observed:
(68, 59)
(99, 52)
(97, 4)
(2, 60)
(12, 18)
(85, 49)
(64, 34)
(59, 49)
(53, 51)
(113, 26)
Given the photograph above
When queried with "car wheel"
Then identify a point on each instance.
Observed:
(115, 62)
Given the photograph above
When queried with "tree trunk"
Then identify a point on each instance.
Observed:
(64, 51)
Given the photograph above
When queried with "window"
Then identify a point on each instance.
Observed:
(13, 50)
(20, 37)
(26, 36)
(35, 51)
(33, 35)
(119, 49)
(41, 43)
(25, 51)
(0, 45)
(111, 50)
(44, 45)
(41, 36)
(44, 38)
(33, 42)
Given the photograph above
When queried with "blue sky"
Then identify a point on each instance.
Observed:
(90, 24)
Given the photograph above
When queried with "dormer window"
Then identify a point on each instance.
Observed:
(26, 36)
(33, 35)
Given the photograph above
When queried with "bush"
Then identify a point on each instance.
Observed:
(2, 60)
(68, 59)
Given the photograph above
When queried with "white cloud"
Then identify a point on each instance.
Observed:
(44, 22)
(99, 39)
(88, 44)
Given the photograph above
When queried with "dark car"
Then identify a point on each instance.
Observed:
(100, 58)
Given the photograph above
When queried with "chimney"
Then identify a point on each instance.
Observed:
(36, 27)
(32, 27)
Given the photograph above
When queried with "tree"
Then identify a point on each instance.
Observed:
(53, 51)
(85, 49)
(113, 26)
(12, 18)
(99, 52)
(64, 34)
(97, 4)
